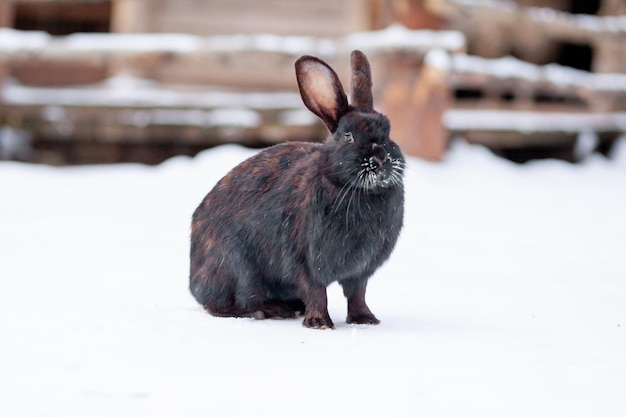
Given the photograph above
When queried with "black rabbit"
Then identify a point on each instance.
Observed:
(284, 224)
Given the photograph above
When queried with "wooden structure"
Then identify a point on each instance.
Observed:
(568, 76)
(542, 32)
(99, 122)
(237, 48)
(159, 77)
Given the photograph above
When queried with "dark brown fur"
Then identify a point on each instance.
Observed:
(281, 226)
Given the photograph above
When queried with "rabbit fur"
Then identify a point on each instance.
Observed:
(274, 232)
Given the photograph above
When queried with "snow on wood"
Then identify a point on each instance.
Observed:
(531, 122)
(513, 68)
(297, 117)
(129, 92)
(13, 41)
(552, 20)
(494, 4)
(125, 103)
(524, 121)
(615, 25)
(398, 37)
(238, 117)
(16, 44)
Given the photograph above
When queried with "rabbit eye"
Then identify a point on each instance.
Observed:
(348, 137)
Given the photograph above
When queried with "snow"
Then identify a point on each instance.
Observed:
(238, 117)
(439, 59)
(397, 36)
(607, 24)
(142, 94)
(14, 42)
(533, 121)
(505, 296)
(586, 142)
(498, 4)
(157, 104)
(296, 45)
(15, 143)
(129, 42)
(298, 117)
(509, 67)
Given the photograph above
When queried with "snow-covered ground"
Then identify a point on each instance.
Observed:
(505, 297)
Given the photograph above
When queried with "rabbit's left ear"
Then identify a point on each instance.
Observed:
(361, 82)
(321, 90)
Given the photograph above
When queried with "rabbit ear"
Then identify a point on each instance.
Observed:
(321, 90)
(361, 82)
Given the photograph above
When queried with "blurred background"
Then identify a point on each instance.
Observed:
(95, 81)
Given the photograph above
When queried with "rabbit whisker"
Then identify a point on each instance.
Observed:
(341, 196)
(354, 190)
(367, 178)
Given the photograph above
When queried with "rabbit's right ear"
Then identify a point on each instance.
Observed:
(321, 90)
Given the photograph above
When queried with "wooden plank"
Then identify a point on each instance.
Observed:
(19, 45)
(129, 93)
(414, 101)
(529, 122)
(511, 74)
(556, 23)
(149, 113)
(183, 126)
(6, 15)
(300, 17)
(612, 8)
(522, 121)
(59, 1)
(260, 60)
(535, 33)
(130, 16)
(519, 140)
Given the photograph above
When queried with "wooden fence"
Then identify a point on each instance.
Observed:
(506, 103)
(247, 91)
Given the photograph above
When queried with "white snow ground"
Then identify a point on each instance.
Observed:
(505, 297)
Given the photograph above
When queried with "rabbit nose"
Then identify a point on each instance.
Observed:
(379, 154)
